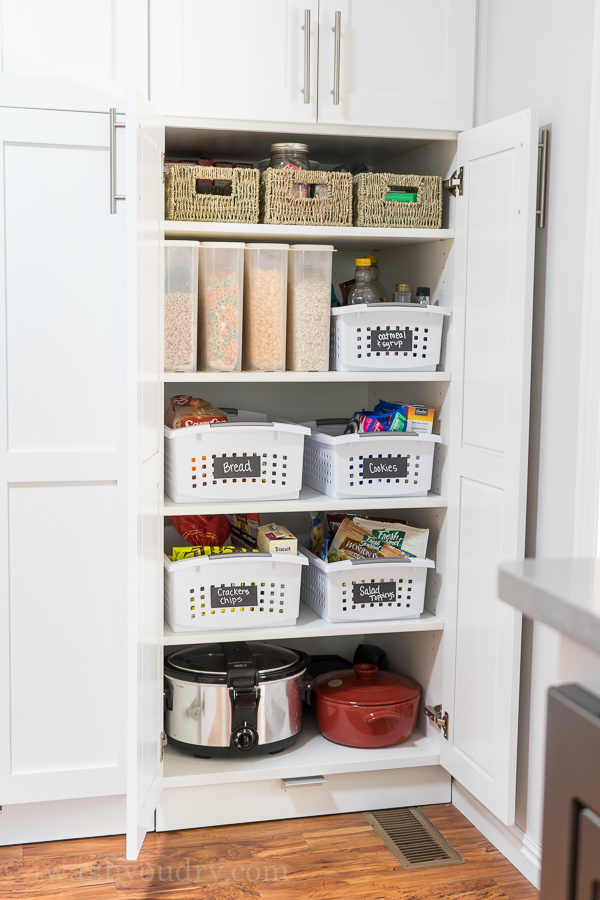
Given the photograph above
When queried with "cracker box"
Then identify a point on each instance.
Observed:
(274, 538)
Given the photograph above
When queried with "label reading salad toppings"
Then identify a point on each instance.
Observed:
(233, 595)
(390, 467)
(237, 467)
(392, 340)
(382, 592)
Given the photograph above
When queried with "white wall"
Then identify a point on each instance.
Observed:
(539, 53)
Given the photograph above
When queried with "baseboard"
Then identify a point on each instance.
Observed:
(62, 820)
(519, 849)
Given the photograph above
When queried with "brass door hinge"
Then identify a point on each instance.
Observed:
(163, 744)
(455, 182)
(435, 714)
(162, 165)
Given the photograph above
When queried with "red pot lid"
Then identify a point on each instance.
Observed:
(365, 685)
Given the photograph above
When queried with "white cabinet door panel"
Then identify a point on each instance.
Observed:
(64, 627)
(233, 60)
(91, 40)
(490, 353)
(63, 460)
(402, 64)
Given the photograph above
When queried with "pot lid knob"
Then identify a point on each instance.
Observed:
(365, 671)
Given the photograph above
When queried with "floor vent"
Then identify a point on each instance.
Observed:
(412, 838)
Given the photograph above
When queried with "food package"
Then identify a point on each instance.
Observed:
(322, 530)
(190, 552)
(371, 421)
(274, 538)
(412, 541)
(417, 418)
(184, 411)
(201, 531)
(244, 530)
(353, 542)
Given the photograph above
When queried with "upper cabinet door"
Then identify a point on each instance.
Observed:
(235, 59)
(400, 64)
(490, 352)
(93, 41)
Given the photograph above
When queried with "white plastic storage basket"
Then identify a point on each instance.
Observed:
(362, 590)
(248, 458)
(381, 464)
(386, 337)
(246, 590)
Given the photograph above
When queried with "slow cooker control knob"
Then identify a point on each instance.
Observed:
(244, 738)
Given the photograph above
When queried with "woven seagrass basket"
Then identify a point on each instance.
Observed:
(280, 206)
(183, 203)
(372, 210)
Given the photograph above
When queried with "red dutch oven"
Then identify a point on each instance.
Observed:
(365, 707)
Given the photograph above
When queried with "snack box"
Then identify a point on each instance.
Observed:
(419, 419)
(274, 538)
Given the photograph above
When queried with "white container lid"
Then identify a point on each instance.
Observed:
(267, 246)
(225, 245)
(181, 244)
(323, 247)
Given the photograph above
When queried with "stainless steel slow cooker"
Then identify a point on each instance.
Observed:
(234, 699)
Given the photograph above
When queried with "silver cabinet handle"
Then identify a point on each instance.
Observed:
(301, 782)
(337, 30)
(113, 161)
(543, 179)
(306, 30)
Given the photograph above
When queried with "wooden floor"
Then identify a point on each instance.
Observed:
(324, 858)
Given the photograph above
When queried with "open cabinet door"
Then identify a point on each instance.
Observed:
(490, 353)
(145, 214)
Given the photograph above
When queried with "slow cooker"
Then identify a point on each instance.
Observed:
(234, 699)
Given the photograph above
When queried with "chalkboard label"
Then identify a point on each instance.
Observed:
(237, 466)
(392, 340)
(381, 592)
(385, 467)
(233, 595)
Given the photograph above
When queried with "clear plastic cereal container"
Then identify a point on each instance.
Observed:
(181, 305)
(220, 284)
(309, 307)
(265, 302)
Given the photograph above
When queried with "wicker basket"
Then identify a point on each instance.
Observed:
(183, 203)
(372, 210)
(280, 206)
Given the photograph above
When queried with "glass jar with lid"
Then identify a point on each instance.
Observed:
(402, 294)
(364, 289)
(292, 156)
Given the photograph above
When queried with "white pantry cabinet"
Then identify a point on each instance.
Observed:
(342, 62)
(89, 44)
(464, 650)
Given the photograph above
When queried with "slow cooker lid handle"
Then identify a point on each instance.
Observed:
(240, 666)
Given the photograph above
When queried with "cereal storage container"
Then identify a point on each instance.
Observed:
(181, 305)
(309, 303)
(220, 283)
(265, 297)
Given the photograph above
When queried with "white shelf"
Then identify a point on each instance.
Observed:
(310, 499)
(347, 238)
(310, 377)
(308, 625)
(311, 755)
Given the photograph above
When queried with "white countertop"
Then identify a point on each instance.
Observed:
(563, 593)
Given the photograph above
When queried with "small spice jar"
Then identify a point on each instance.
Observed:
(402, 294)
(292, 156)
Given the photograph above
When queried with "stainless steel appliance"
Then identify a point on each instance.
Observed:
(234, 699)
